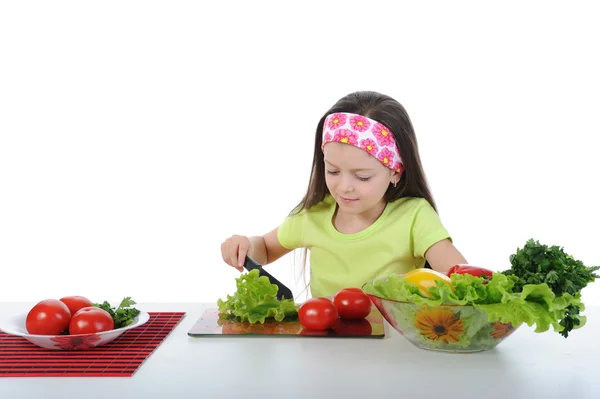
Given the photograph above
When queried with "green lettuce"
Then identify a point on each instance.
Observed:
(566, 276)
(535, 304)
(255, 300)
(468, 290)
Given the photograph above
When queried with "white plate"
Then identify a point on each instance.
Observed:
(16, 326)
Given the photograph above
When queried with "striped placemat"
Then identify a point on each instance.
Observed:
(119, 358)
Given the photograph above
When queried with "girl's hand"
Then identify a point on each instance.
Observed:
(234, 251)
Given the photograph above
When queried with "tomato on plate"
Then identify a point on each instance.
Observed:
(91, 320)
(74, 303)
(352, 304)
(318, 314)
(48, 317)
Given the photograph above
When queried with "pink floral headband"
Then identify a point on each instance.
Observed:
(363, 133)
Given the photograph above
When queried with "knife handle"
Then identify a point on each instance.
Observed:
(251, 264)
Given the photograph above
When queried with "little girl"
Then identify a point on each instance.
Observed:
(368, 212)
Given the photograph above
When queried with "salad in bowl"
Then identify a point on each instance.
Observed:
(472, 309)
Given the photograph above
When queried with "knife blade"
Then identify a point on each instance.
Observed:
(283, 292)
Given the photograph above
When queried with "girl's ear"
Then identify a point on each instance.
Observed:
(395, 178)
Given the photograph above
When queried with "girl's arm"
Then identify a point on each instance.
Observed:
(266, 249)
(443, 255)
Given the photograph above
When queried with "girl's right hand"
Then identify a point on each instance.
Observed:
(234, 251)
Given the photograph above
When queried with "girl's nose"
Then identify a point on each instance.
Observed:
(346, 184)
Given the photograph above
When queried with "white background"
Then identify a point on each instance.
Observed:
(136, 136)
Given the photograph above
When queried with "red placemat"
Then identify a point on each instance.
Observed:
(119, 358)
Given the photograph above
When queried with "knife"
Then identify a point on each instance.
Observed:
(283, 292)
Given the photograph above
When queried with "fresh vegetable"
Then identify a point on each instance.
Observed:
(318, 314)
(464, 289)
(255, 300)
(48, 317)
(123, 315)
(352, 304)
(74, 303)
(472, 270)
(542, 288)
(91, 320)
(536, 305)
(537, 264)
(495, 298)
(425, 279)
(57, 317)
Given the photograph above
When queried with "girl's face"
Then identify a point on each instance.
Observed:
(356, 180)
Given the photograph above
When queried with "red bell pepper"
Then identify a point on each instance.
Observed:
(472, 270)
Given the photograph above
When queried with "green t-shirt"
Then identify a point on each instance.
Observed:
(395, 244)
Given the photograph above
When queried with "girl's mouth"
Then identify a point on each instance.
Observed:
(348, 200)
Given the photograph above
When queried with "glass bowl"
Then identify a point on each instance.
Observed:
(448, 328)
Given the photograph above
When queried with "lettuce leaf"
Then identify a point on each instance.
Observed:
(537, 263)
(538, 305)
(256, 300)
(468, 289)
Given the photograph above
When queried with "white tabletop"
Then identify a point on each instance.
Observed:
(525, 365)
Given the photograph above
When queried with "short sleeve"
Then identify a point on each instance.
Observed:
(427, 229)
(291, 231)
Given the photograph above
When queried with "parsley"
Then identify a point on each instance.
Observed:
(536, 263)
(124, 314)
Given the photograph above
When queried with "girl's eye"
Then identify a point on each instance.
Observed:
(331, 172)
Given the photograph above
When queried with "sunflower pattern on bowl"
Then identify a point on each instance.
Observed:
(450, 328)
(439, 325)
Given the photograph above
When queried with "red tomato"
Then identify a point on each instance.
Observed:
(352, 304)
(318, 314)
(48, 317)
(355, 328)
(74, 303)
(91, 320)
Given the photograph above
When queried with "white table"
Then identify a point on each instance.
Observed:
(526, 365)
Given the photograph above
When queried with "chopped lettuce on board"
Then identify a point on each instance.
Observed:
(256, 300)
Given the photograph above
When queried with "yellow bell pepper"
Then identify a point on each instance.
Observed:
(425, 278)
